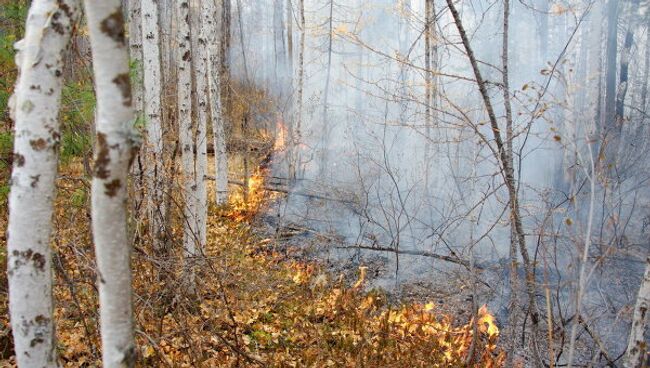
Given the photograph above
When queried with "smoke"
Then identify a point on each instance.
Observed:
(399, 183)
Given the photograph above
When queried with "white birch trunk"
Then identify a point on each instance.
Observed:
(153, 120)
(184, 95)
(216, 110)
(636, 345)
(35, 107)
(135, 53)
(115, 148)
(205, 22)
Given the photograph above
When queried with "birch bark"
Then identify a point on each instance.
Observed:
(35, 106)
(115, 148)
(153, 120)
(184, 100)
(200, 67)
(215, 57)
(636, 346)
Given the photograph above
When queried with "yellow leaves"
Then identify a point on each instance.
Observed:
(148, 351)
(282, 313)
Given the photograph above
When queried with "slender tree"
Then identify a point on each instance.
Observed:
(512, 320)
(301, 68)
(35, 106)
(154, 170)
(198, 194)
(431, 82)
(507, 171)
(216, 54)
(115, 149)
(610, 68)
(324, 140)
(186, 136)
(623, 82)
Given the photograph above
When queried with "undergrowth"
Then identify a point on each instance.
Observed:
(248, 306)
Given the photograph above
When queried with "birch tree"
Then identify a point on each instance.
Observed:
(153, 120)
(636, 347)
(216, 53)
(200, 68)
(35, 106)
(184, 100)
(116, 146)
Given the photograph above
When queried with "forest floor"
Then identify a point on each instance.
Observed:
(250, 302)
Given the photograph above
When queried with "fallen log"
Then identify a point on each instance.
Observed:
(288, 191)
(452, 259)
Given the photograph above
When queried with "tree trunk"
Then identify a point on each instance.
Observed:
(216, 56)
(431, 85)
(115, 149)
(610, 76)
(636, 346)
(186, 141)
(154, 170)
(646, 71)
(324, 141)
(35, 107)
(507, 171)
(135, 53)
(512, 307)
(201, 15)
(623, 82)
(301, 69)
(224, 52)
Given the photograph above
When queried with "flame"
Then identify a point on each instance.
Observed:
(246, 201)
(280, 143)
(487, 323)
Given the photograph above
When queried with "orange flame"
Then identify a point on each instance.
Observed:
(280, 143)
(246, 201)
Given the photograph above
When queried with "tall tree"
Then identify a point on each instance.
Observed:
(505, 54)
(185, 129)
(508, 173)
(198, 194)
(115, 149)
(623, 82)
(35, 108)
(610, 68)
(153, 121)
(216, 55)
(301, 68)
(431, 83)
(324, 140)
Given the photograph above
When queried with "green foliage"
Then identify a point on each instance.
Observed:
(77, 116)
(79, 197)
(77, 100)
(12, 20)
